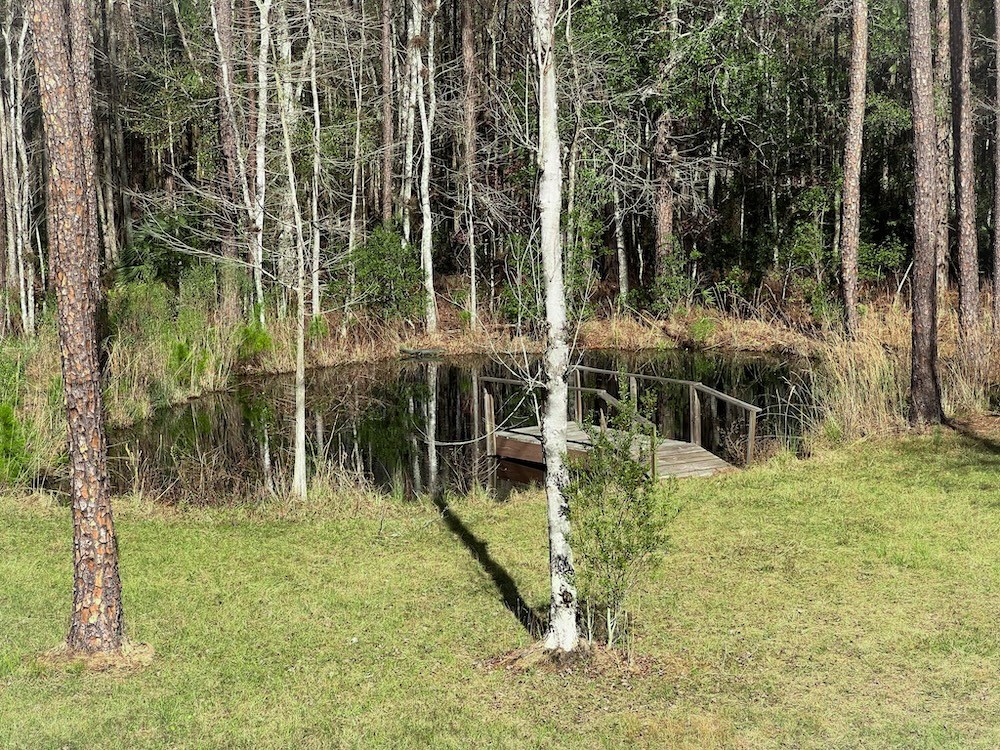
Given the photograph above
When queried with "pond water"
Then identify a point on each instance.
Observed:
(415, 426)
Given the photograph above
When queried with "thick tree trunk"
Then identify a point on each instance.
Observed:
(223, 29)
(387, 114)
(562, 634)
(96, 623)
(996, 177)
(851, 224)
(664, 198)
(942, 79)
(925, 391)
(965, 170)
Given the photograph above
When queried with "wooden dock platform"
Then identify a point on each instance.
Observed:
(674, 458)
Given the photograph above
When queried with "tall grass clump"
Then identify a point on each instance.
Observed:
(165, 345)
(32, 430)
(860, 388)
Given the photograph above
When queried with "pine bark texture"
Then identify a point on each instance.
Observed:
(942, 78)
(965, 170)
(996, 177)
(387, 113)
(96, 622)
(851, 225)
(925, 391)
(664, 211)
(562, 634)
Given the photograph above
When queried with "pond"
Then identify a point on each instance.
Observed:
(412, 426)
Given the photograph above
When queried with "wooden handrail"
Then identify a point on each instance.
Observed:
(695, 388)
(708, 390)
(599, 392)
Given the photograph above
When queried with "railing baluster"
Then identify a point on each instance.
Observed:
(695, 405)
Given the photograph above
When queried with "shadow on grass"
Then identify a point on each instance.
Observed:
(505, 584)
(983, 443)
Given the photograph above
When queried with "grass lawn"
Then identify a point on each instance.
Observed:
(848, 601)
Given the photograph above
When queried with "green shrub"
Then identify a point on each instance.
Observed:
(387, 278)
(15, 458)
(620, 520)
(253, 340)
(702, 329)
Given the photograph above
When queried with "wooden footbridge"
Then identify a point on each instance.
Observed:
(667, 457)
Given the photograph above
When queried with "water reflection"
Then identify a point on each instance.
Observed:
(413, 427)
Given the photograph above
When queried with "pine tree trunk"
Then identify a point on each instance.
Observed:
(96, 623)
(996, 178)
(942, 78)
(925, 391)
(664, 199)
(223, 29)
(387, 114)
(851, 224)
(965, 170)
(562, 634)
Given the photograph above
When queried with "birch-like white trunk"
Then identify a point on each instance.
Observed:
(562, 634)
(299, 485)
(410, 91)
(260, 145)
(432, 457)
(14, 169)
(427, 101)
(620, 248)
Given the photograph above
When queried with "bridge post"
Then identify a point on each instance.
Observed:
(695, 403)
(490, 417)
(579, 399)
(751, 436)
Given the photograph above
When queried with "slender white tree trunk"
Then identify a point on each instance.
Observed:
(410, 90)
(562, 634)
(356, 176)
(620, 247)
(432, 457)
(260, 144)
(15, 170)
(428, 107)
(299, 486)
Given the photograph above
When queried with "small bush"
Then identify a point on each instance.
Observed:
(387, 278)
(621, 516)
(253, 341)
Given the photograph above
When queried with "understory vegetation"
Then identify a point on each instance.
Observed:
(842, 602)
(165, 345)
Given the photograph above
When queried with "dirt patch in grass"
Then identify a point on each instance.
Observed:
(133, 657)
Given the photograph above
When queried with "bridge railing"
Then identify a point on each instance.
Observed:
(695, 391)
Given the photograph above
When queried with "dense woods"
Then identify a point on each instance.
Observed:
(356, 154)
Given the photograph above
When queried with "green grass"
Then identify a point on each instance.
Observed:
(848, 601)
